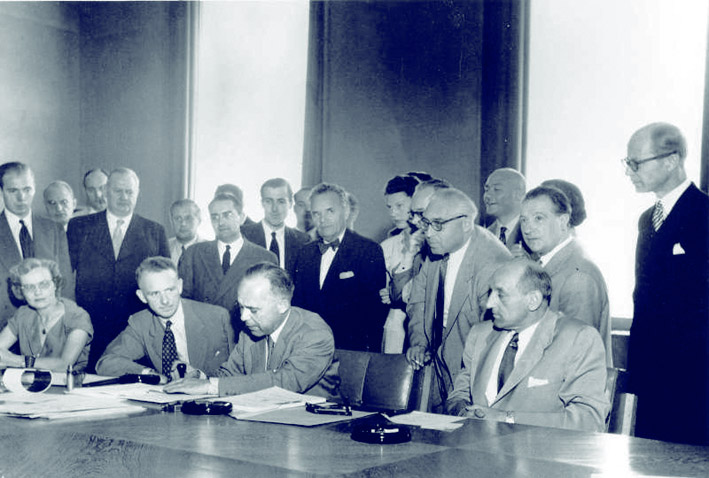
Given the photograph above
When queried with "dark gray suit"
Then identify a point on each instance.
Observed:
(49, 243)
(294, 240)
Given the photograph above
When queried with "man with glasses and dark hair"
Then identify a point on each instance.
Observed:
(170, 331)
(668, 351)
(449, 294)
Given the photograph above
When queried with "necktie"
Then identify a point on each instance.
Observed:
(325, 246)
(658, 215)
(226, 259)
(117, 237)
(169, 350)
(503, 236)
(26, 243)
(508, 361)
(274, 246)
(437, 326)
(270, 344)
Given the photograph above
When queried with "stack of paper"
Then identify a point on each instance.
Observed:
(266, 400)
(136, 391)
(61, 406)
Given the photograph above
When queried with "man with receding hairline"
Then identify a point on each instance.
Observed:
(186, 217)
(95, 188)
(59, 201)
(504, 190)
(668, 350)
(448, 294)
(106, 248)
(530, 364)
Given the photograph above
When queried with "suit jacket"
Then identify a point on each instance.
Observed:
(558, 381)
(579, 291)
(669, 336)
(49, 243)
(301, 360)
(513, 236)
(210, 340)
(294, 240)
(468, 302)
(349, 300)
(105, 286)
(203, 280)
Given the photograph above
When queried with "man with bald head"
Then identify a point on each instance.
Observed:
(449, 293)
(59, 201)
(504, 190)
(106, 248)
(668, 352)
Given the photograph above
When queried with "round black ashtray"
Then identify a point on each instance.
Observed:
(205, 407)
(379, 430)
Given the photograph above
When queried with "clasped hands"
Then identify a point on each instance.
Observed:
(462, 408)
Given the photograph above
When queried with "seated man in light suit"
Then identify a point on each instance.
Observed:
(271, 232)
(284, 346)
(530, 365)
(170, 331)
(448, 294)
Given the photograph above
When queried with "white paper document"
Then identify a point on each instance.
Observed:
(141, 392)
(268, 399)
(432, 421)
(62, 406)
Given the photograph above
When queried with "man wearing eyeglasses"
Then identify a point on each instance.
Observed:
(449, 294)
(668, 354)
(170, 331)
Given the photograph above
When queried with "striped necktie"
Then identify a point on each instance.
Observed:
(658, 215)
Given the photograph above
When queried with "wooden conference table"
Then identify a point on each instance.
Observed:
(174, 444)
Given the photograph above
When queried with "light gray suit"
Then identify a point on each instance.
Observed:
(210, 339)
(558, 381)
(49, 241)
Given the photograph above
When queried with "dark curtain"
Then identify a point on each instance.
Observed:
(704, 171)
(393, 87)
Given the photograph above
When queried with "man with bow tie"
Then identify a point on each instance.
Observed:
(531, 365)
(339, 277)
(668, 351)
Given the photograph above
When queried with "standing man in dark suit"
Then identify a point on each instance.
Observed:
(668, 352)
(106, 248)
(504, 190)
(449, 294)
(170, 331)
(340, 276)
(272, 232)
(211, 270)
(24, 234)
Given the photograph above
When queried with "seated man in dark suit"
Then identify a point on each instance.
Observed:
(271, 232)
(170, 331)
(24, 234)
(284, 346)
(106, 248)
(530, 365)
(340, 276)
(211, 270)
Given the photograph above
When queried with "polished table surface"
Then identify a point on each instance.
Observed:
(174, 444)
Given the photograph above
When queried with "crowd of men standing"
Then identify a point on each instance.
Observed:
(512, 319)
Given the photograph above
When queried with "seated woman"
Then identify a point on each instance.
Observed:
(52, 329)
(578, 289)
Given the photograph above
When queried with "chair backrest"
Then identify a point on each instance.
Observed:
(381, 382)
(621, 419)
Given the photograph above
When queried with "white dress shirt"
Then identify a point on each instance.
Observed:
(455, 259)
(670, 199)
(544, 260)
(178, 330)
(14, 222)
(280, 239)
(234, 249)
(327, 258)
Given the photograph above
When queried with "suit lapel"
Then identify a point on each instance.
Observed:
(560, 258)
(486, 361)
(11, 254)
(532, 354)
(283, 340)
(194, 330)
(461, 288)
(339, 262)
(211, 263)
(101, 235)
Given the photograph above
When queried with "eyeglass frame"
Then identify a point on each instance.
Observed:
(38, 287)
(634, 164)
(438, 227)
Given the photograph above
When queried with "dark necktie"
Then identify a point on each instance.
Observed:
(226, 259)
(169, 350)
(26, 243)
(270, 344)
(274, 247)
(658, 215)
(324, 247)
(503, 236)
(437, 328)
(508, 361)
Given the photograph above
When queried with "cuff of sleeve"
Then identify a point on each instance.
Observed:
(213, 386)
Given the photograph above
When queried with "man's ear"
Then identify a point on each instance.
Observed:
(141, 296)
(534, 300)
(179, 286)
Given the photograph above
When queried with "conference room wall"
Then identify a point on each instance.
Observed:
(134, 95)
(39, 105)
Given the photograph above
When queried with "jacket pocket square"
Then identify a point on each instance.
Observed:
(537, 382)
(346, 275)
(677, 249)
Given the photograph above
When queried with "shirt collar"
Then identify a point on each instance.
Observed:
(670, 199)
(14, 220)
(340, 237)
(549, 255)
(276, 333)
(177, 319)
(268, 229)
(235, 246)
(510, 225)
(113, 220)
